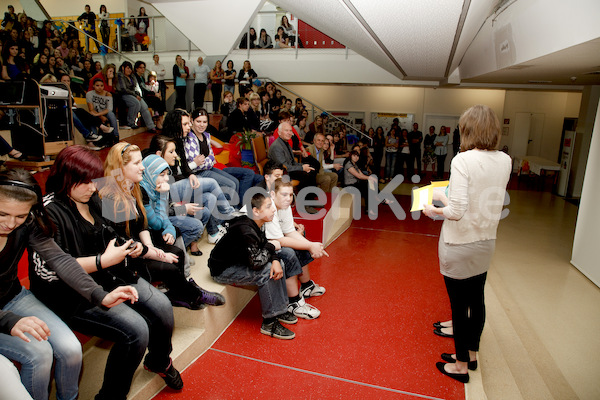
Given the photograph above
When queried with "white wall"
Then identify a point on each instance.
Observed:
(556, 106)
(58, 8)
(585, 127)
(530, 29)
(587, 230)
(451, 101)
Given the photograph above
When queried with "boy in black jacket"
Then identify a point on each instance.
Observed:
(245, 256)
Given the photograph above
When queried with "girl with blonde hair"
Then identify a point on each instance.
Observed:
(123, 206)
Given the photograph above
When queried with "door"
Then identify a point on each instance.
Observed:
(528, 134)
(536, 132)
(521, 134)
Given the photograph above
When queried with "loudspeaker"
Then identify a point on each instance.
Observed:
(57, 121)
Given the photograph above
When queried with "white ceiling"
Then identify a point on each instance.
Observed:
(489, 41)
(469, 42)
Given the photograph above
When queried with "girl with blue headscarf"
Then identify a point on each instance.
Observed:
(155, 197)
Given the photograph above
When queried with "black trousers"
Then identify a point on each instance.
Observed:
(415, 155)
(401, 160)
(468, 313)
(180, 101)
(441, 160)
(305, 179)
(162, 86)
(216, 89)
(199, 92)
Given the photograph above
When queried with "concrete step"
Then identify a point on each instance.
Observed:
(513, 362)
(195, 331)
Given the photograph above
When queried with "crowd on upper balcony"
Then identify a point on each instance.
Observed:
(285, 37)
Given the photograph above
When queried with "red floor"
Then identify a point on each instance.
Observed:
(374, 339)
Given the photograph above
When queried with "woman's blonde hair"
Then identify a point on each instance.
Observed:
(479, 129)
(48, 78)
(117, 188)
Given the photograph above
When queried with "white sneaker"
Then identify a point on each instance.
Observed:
(301, 309)
(313, 290)
(222, 229)
(125, 128)
(106, 129)
(213, 239)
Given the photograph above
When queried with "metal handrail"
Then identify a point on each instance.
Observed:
(360, 134)
(98, 42)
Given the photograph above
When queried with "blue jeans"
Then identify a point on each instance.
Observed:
(135, 106)
(210, 195)
(85, 132)
(246, 177)
(390, 163)
(229, 88)
(191, 228)
(112, 118)
(272, 293)
(293, 260)
(36, 357)
(228, 183)
(133, 327)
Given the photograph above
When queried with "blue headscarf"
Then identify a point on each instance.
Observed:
(156, 211)
(154, 166)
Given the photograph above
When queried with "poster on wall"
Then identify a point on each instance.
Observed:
(352, 118)
(385, 121)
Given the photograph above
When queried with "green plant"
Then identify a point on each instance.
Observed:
(246, 138)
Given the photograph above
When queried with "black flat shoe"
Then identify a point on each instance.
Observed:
(196, 253)
(463, 378)
(442, 334)
(22, 157)
(472, 365)
(438, 325)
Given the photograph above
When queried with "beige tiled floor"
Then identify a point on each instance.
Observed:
(554, 310)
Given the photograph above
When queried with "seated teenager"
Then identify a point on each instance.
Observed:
(326, 180)
(272, 171)
(100, 105)
(155, 196)
(244, 256)
(212, 206)
(131, 94)
(123, 207)
(30, 333)
(87, 124)
(353, 176)
(151, 97)
(189, 188)
(238, 119)
(199, 155)
(296, 252)
(76, 212)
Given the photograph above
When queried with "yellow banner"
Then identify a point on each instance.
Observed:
(388, 115)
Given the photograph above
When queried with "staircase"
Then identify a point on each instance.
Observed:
(196, 331)
(514, 364)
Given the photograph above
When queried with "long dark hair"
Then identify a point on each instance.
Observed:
(19, 185)
(159, 144)
(172, 123)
